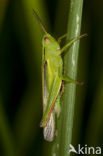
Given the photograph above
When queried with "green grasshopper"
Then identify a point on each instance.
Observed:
(52, 77)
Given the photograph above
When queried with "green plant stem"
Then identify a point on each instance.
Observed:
(70, 69)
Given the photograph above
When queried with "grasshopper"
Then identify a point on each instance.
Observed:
(52, 77)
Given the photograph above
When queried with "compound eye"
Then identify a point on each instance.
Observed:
(46, 39)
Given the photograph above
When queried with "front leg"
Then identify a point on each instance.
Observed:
(67, 79)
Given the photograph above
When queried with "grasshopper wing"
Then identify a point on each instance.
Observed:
(49, 130)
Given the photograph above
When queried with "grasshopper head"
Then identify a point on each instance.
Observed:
(50, 42)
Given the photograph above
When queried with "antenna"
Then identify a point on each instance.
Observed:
(39, 21)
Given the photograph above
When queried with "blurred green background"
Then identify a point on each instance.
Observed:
(20, 74)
